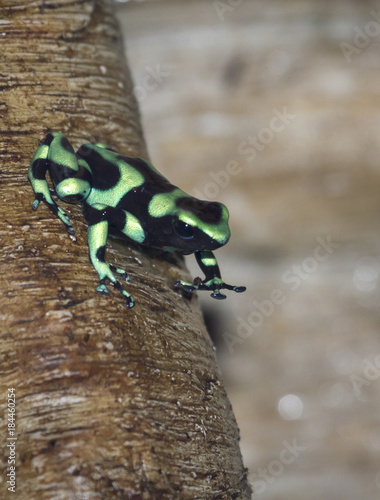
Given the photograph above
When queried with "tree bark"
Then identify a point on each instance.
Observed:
(110, 402)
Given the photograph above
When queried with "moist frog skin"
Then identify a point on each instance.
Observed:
(130, 195)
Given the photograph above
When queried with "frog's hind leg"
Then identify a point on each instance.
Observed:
(99, 218)
(37, 177)
(72, 178)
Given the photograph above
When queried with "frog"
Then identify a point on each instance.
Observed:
(129, 196)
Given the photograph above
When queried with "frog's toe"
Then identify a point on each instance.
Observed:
(187, 287)
(70, 229)
(35, 204)
(129, 299)
(65, 219)
(237, 289)
(68, 225)
(102, 289)
(122, 273)
(217, 295)
(130, 302)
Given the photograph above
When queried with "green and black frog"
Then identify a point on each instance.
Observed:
(129, 194)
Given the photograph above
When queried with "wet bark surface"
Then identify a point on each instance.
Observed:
(110, 402)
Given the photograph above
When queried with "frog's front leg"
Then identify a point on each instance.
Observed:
(72, 181)
(213, 280)
(99, 218)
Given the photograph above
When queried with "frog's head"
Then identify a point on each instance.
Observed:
(186, 224)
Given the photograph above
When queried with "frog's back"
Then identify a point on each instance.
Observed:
(144, 182)
(121, 181)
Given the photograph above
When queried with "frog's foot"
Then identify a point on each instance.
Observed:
(122, 273)
(129, 299)
(214, 285)
(65, 219)
(186, 287)
(55, 209)
(103, 290)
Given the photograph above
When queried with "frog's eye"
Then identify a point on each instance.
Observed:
(183, 229)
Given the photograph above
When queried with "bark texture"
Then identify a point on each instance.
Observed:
(111, 402)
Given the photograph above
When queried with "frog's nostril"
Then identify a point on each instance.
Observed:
(214, 244)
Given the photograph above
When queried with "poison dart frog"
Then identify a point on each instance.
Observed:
(129, 194)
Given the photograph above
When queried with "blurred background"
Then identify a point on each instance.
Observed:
(273, 108)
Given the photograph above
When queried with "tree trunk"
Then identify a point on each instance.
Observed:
(110, 402)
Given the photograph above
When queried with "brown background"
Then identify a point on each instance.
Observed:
(218, 83)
